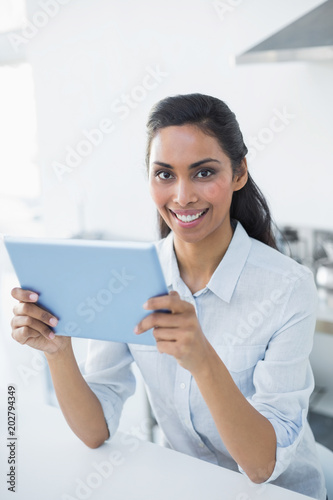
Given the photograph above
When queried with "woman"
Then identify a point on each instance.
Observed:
(229, 379)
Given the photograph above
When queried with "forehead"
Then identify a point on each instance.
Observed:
(188, 142)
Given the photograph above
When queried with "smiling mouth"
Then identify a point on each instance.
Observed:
(189, 218)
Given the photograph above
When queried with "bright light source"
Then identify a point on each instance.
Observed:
(19, 174)
(12, 15)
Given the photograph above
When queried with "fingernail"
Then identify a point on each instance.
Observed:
(136, 329)
(145, 305)
(51, 335)
(33, 296)
(53, 321)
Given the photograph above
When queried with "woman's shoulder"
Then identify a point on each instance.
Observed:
(164, 245)
(266, 258)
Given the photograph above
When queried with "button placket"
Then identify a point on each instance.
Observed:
(182, 389)
(181, 394)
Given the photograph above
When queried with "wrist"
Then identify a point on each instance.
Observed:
(62, 352)
(206, 368)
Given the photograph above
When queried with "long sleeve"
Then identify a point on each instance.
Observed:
(258, 312)
(283, 380)
(107, 370)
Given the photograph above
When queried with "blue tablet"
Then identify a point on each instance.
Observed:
(95, 288)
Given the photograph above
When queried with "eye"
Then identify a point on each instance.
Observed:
(162, 174)
(205, 173)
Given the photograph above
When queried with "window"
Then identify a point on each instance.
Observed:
(19, 174)
(12, 15)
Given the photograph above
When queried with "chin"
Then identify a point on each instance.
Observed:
(191, 238)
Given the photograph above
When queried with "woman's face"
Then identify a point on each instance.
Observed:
(191, 182)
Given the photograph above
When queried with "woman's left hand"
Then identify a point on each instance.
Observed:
(179, 333)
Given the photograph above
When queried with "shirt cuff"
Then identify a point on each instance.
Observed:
(284, 454)
(112, 408)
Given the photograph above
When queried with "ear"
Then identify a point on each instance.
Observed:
(241, 177)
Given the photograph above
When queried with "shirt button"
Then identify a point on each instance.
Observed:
(182, 385)
(201, 445)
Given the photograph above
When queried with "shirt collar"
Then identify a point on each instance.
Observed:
(168, 260)
(225, 277)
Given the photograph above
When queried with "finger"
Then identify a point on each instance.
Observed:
(24, 333)
(29, 322)
(24, 295)
(157, 319)
(166, 334)
(172, 301)
(34, 311)
(167, 347)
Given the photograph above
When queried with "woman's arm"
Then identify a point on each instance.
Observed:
(80, 406)
(31, 326)
(249, 437)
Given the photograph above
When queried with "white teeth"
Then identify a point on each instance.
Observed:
(189, 218)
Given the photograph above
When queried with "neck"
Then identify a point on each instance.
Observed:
(197, 261)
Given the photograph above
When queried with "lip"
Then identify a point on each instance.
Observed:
(188, 225)
(188, 212)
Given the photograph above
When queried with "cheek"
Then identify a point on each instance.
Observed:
(157, 193)
(217, 192)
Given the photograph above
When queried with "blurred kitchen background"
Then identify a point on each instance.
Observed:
(77, 80)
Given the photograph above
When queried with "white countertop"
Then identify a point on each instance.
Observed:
(53, 464)
(325, 310)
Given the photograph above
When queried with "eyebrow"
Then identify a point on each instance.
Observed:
(193, 165)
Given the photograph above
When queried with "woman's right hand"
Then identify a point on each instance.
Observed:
(32, 325)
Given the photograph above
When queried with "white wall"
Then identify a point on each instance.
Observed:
(92, 52)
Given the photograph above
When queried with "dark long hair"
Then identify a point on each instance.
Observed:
(213, 117)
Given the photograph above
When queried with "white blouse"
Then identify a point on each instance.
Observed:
(258, 311)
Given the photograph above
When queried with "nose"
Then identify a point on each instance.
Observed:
(184, 193)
